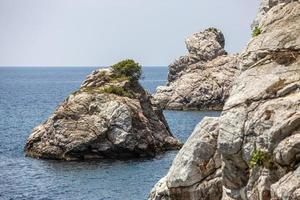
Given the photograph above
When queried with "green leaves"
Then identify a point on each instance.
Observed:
(256, 32)
(125, 71)
(118, 91)
(127, 68)
(257, 158)
(261, 158)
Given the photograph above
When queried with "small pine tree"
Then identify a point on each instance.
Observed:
(127, 68)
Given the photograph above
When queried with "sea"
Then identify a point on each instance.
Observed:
(28, 95)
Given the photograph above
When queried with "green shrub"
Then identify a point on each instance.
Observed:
(256, 32)
(258, 158)
(118, 91)
(211, 29)
(119, 79)
(127, 68)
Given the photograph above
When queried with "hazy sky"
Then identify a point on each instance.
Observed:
(101, 32)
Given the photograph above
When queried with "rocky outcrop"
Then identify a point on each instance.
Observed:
(108, 117)
(260, 123)
(202, 47)
(196, 170)
(204, 87)
(259, 128)
(202, 79)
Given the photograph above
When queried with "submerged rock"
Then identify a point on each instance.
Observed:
(202, 79)
(110, 116)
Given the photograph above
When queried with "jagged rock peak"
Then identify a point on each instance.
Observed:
(206, 45)
(202, 47)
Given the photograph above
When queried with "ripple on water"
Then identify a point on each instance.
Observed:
(27, 98)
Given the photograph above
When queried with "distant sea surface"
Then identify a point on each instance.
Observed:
(27, 97)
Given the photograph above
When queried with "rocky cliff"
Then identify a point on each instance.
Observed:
(202, 79)
(258, 138)
(196, 170)
(110, 116)
(260, 124)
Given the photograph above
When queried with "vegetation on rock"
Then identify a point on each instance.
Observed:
(127, 68)
(212, 29)
(117, 90)
(256, 32)
(112, 89)
(258, 158)
(120, 79)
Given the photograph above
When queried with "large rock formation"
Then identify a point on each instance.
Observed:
(202, 79)
(196, 170)
(202, 47)
(260, 124)
(259, 128)
(108, 117)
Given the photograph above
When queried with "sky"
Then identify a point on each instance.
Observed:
(103, 32)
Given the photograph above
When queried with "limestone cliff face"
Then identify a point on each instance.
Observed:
(107, 117)
(261, 120)
(202, 79)
(259, 129)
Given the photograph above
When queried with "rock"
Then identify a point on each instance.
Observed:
(260, 124)
(204, 87)
(202, 79)
(279, 41)
(265, 6)
(259, 128)
(107, 117)
(288, 150)
(202, 47)
(288, 187)
(195, 172)
(206, 45)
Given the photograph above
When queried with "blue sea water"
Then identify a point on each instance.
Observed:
(27, 97)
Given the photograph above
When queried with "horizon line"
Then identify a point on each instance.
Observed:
(75, 66)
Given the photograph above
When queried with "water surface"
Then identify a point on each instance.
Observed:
(27, 97)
